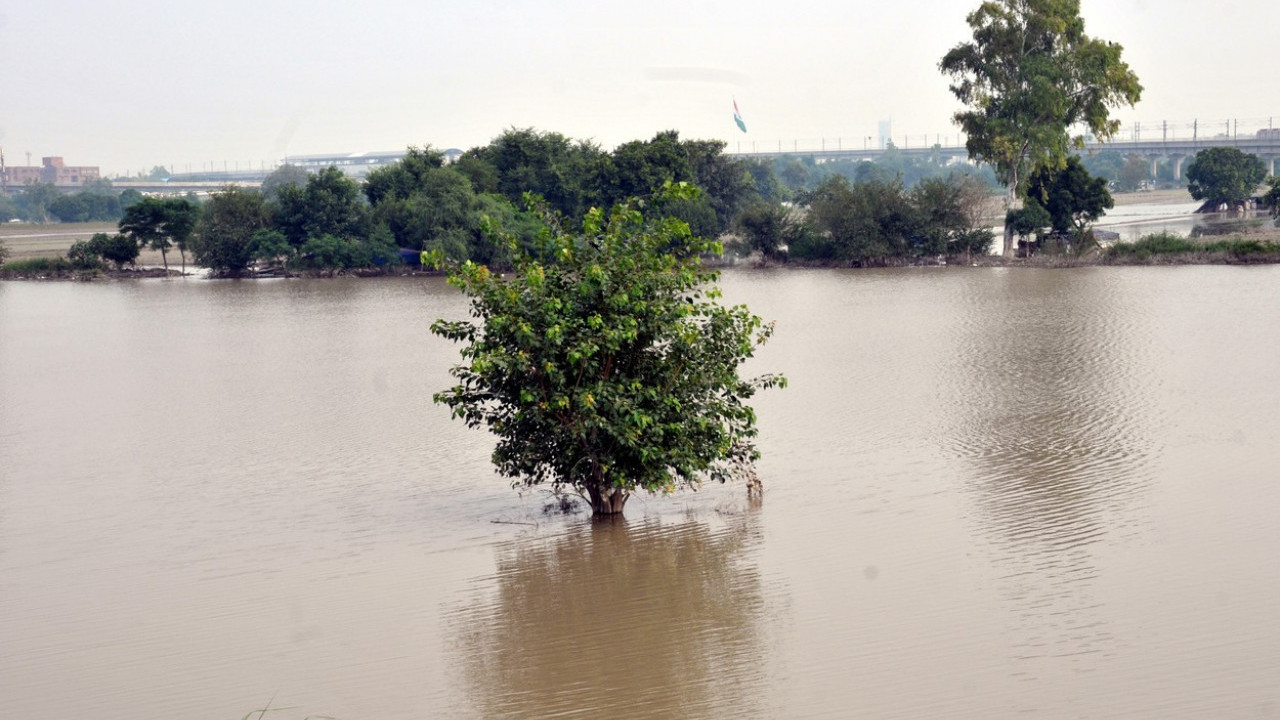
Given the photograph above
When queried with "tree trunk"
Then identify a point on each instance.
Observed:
(607, 501)
(1010, 199)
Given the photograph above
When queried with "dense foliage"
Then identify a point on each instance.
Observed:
(95, 201)
(876, 221)
(228, 221)
(161, 223)
(1071, 199)
(1224, 176)
(603, 362)
(897, 206)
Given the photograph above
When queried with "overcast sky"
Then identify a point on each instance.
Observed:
(128, 84)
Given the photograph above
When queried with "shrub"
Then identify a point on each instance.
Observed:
(1243, 247)
(1167, 243)
(977, 241)
(1161, 243)
(84, 255)
(119, 249)
(39, 265)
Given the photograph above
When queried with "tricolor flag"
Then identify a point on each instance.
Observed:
(737, 117)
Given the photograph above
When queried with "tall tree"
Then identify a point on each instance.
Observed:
(1029, 79)
(1224, 176)
(223, 236)
(401, 179)
(329, 204)
(606, 365)
(161, 223)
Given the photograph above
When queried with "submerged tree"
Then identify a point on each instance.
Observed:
(1029, 79)
(1224, 176)
(604, 362)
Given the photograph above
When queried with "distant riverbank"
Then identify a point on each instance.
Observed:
(1223, 240)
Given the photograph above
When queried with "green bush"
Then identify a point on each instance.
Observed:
(977, 241)
(1242, 247)
(1167, 243)
(39, 265)
(84, 255)
(1161, 243)
(119, 249)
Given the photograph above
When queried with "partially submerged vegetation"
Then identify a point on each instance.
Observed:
(605, 363)
(1168, 248)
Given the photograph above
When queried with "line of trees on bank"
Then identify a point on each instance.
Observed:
(898, 209)
(329, 222)
(96, 201)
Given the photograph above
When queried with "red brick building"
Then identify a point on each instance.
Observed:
(52, 170)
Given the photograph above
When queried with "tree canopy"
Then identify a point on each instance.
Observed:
(1224, 175)
(160, 223)
(1072, 197)
(604, 363)
(1029, 78)
(228, 221)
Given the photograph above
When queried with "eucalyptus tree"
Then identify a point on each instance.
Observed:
(1033, 83)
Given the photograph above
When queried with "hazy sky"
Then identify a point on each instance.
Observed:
(128, 84)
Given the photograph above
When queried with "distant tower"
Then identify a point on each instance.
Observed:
(886, 133)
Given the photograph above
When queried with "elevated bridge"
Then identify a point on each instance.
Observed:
(1264, 143)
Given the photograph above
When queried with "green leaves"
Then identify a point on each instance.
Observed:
(607, 366)
(1224, 175)
(1029, 78)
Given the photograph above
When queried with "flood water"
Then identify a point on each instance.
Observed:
(989, 492)
(1132, 222)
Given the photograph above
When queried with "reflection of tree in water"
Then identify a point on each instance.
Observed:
(1051, 413)
(621, 620)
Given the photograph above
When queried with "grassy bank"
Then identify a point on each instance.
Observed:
(1168, 248)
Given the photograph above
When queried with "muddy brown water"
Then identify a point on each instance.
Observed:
(990, 492)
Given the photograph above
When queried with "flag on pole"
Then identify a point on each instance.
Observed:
(737, 117)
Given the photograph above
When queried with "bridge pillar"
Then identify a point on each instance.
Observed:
(1177, 165)
(1155, 167)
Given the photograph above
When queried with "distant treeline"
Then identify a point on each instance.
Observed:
(839, 211)
(96, 201)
